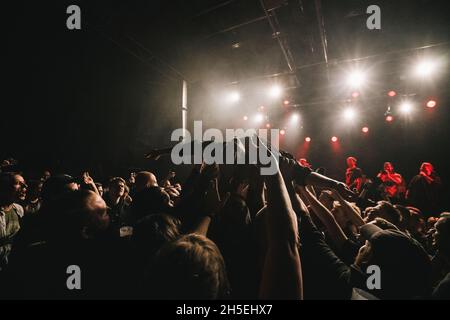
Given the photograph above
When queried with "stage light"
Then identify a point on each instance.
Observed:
(275, 91)
(282, 132)
(268, 126)
(392, 93)
(262, 108)
(389, 118)
(350, 114)
(406, 108)
(431, 104)
(259, 118)
(334, 139)
(355, 94)
(308, 139)
(425, 68)
(365, 130)
(245, 118)
(295, 118)
(286, 102)
(234, 97)
(356, 79)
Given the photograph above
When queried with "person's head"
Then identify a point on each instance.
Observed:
(404, 265)
(99, 188)
(441, 236)
(80, 214)
(386, 211)
(145, 179)
(12, 188)
(427, 168)
(388, 167)
(58, 185)
(351, 162)
(191, 267)
(46, 175)
(150, 201)
(153, 231)
(34, 189)
(116, 187)
(416, 223)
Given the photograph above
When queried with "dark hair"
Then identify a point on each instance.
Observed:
(153, 231)
(69, 215)
(190, 268)
(116, 180)
(6, 180)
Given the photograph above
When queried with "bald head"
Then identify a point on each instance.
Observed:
(145, 179)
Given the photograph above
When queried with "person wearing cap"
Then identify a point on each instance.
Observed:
(404, 265)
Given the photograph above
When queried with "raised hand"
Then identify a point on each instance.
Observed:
(87, 178)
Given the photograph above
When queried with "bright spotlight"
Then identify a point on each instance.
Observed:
(259, 118)
(356, 79)
(275, 91)
(365, 130)
(234, 97)
(350, 114)
(268, 126)
(334, 139)
(295, 118)
(282, 132)
(431, 104)
(245, 118)
(406, 108)
(425, 68)
(286, 102)
(308, 139)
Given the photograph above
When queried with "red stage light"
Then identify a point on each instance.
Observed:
(365, 130)
(334, 139)
(308, 139)
(282, 132)
(268, 126)
(286, 102)
(392, 93)
(245, 118)
(389, 118)
(355, 94)
(431, 104)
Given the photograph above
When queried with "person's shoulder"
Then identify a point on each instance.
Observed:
(18, 209)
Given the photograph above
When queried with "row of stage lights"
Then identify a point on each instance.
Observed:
(355, 79)
(349, 114)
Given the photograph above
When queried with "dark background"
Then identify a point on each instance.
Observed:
(99, 98)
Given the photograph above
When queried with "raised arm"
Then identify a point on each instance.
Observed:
(326, 217)
(351, 212)
(282, 274)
